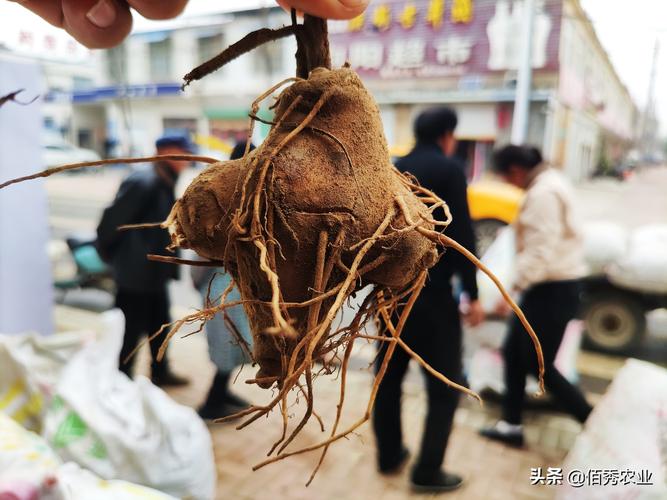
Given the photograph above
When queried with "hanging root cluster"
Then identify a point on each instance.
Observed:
(305, 221)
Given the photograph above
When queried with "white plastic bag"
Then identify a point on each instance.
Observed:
(499, 258)
(24, 456)
(626, 434)
(124, 429)
(644, 267)
(30, 366)
(29, 469)
(75, 483)
(604, 244)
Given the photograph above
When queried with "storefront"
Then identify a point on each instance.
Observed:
(460, 53)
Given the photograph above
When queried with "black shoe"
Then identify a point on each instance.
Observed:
(211, 412)
(442, 481)
(509, 437)
(169, 379)
(397, 465)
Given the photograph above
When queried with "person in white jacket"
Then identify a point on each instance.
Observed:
(549, 266)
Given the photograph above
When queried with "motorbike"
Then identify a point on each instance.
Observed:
(77, 264)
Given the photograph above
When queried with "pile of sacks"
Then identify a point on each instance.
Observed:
(635, 260)
(67, 388)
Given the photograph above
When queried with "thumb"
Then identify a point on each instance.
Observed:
(328, 9)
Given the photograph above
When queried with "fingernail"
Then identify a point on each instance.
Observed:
(103, 14)
(353, 4)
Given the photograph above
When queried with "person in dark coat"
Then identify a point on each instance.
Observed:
(146, 196)
(433, 330)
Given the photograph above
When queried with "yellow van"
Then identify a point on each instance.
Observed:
(493, 204)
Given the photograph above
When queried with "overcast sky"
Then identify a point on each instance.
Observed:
(628, 30)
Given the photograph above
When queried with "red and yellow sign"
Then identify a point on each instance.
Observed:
(462, 11)
(408, 16)
(357, 23)
(436, 13)
(382, 17)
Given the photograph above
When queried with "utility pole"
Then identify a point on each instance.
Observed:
(648, 133)
(524, 75)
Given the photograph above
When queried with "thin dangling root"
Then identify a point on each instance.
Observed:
(424, 364)
(448, 242)
(11, 97)
(175, 260)
(73, 166)
(376, 385)
(149, 225)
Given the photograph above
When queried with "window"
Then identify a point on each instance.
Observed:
(268, 58)
(82, 83)
(159, 53)
(209, 46)
(179, 126)
(85, 138)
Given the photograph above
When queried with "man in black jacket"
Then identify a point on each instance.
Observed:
(434, 327)
(146, 196)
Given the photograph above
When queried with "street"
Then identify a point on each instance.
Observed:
(492, 471)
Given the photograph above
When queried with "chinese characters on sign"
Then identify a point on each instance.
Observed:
(578, 478)
(404, 55)
(444, 38)
(367, 54)
(453, 50)
(408, 16)
(435, 13)
(462, 11)
(382, 15)
(407, 53)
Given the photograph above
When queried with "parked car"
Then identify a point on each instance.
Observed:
(493, 205)
(57, 151)
(614, 316)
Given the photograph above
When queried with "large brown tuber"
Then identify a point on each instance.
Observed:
(272, 208)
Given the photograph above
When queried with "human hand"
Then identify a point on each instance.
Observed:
(327, 9)
(474, 315)
(101, 24)
(502, 309)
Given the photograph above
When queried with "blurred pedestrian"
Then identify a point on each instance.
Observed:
(146, 196)
(227, 349)
(229, 344)
(549, 265)
(433, 330)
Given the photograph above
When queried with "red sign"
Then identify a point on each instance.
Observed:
(439, 38)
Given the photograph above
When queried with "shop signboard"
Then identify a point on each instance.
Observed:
(397, 39)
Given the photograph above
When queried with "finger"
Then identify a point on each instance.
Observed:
(329, 9)
(158, 9)
(46, 9)
(97, 23)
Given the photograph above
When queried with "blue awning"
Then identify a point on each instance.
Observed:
(147, 91)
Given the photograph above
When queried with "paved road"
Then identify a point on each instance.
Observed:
(492, 471)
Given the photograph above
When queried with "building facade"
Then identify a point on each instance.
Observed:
(139, 96)
(65, 68)
(465, 54)
(412, 54)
